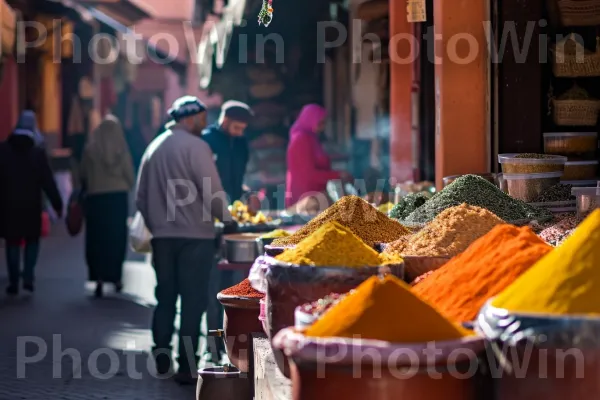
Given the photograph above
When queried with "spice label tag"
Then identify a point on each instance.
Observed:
(416, 11)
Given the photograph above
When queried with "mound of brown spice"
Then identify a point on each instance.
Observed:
(449, 234)
(462, 286)
(243, 289)
(364, 220)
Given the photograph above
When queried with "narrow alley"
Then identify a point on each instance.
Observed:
(62, 343)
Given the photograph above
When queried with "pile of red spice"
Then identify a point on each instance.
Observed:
(243, 289)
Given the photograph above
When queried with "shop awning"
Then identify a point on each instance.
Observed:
(124, 30)
(127, 12)
(8, 28)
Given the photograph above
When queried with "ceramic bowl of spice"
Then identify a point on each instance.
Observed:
(529, 163)
(528, 187)
(241, 318)
(306, 314)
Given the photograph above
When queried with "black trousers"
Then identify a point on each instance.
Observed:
(183, 268)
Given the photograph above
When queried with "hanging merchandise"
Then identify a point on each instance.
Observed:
(265, 16)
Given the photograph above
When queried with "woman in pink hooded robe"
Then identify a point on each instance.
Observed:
(308, 165)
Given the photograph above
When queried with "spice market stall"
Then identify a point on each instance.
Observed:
(337, 283)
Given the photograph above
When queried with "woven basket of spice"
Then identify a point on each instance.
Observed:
(572, 60)
(575, 107)
(578, 12)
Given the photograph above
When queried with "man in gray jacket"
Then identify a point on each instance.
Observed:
(179, 194)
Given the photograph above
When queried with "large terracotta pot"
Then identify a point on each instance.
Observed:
(291, 286)
(239, 322)
(364, 369)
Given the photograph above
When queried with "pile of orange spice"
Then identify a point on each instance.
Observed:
(462, 286)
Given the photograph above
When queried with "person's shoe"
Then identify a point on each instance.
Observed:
(28, 287)
(185, 377)
(118, 287)
(163, 363)
(12, 290)
(99, 290)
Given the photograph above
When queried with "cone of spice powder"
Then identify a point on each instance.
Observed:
(449, 234)
(462, 286)
(565, 282)
(335, 245)
(365, 221)
(243, 289)
(367, 313)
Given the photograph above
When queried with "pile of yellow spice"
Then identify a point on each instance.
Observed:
(564, 282)
(365, 313)
(333, 244)
(365, 221)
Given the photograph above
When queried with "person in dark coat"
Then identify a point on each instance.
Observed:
(230, 147)
(25, 175)
(230, 151)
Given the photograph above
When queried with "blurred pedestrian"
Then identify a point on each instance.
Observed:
(25, 175)
(230, 151)
(107, 178)
(308, 165)
(183, 234)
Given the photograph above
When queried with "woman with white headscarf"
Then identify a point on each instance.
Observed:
(107, 177)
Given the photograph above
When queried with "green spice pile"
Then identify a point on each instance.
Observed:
(407, 205)
(555, 193)
(476, 191)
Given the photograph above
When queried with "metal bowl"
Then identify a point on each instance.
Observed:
(242, 248)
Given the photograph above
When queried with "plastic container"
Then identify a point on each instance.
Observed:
(580, 170)
(587, 200)
(502, 183)
(577, 146)
(527, 187)
(587, 183)
(511, 164)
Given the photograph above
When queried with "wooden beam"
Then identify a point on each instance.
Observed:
(462, 88)
(402, 48)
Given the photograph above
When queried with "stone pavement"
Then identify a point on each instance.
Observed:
(63, 344)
